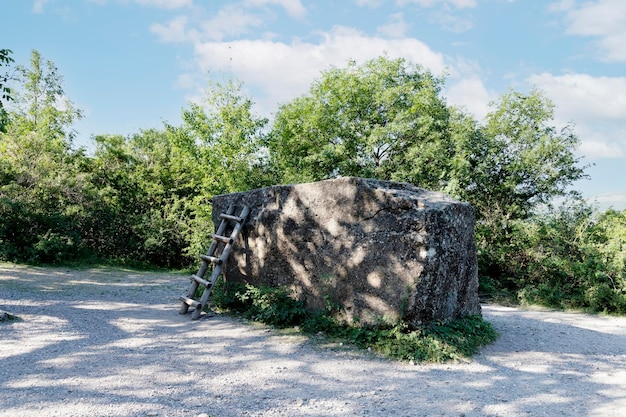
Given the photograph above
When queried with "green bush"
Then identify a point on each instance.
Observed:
(53, 247)
(273, 306)
(567, 258)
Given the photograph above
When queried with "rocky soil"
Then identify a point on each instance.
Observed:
(100, 342)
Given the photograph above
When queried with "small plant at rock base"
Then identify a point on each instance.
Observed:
(273, 306)
(437, 342)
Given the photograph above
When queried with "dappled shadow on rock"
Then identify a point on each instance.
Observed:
(373, 248)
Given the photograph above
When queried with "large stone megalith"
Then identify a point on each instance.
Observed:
(377, 249)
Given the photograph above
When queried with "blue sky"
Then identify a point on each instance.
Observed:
(132, 64)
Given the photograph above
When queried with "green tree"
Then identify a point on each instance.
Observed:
(5, 92)
(514, 164)
(221, 140)
(117, 200)
(567, 257)
(40, 131)
(606, 291)
(521, 160)
(386, 119)
(382, 119)
(41, 198)
(177, 216)
(224, 137)
(43, 107)
(155, 186)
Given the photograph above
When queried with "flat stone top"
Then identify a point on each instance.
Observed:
(390, 189)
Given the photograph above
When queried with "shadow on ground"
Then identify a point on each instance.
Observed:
(111, 343)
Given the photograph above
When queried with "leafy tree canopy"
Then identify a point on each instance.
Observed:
(387, 119)
(383, 119)
(5, 92)
(521, 159)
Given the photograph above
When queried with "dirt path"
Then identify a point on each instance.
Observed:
(110, 343)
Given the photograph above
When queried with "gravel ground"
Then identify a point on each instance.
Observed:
(111, 343)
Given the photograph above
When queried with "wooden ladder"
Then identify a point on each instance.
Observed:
(220, 241)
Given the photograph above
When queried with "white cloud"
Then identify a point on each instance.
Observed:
(451, 22)
(471, 94)
(460, 4)
(174, 31)
(465, 87)
(597, 106)
(368, 3)
(446, 14)
(604, 20)
(562, 6)
(615, 200)
(39, 5)
(294, 8)
(275, 72)
(161, 4)
(232, 20)
(396, 28)
(280, 71)
(599, 148)
(585, 97)
(165, 4)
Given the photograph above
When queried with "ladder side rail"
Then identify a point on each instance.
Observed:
(235, 234)
(204, 299)
(204, 265)
(220, 230)
(193, 285)
(217, 268)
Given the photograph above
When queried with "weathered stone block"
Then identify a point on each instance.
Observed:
(375, 248)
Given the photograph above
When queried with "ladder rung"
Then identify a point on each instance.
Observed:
(190, 302)
(200, 281)
(211, 259)
(231, 217)
(197, 280)
(224, 239)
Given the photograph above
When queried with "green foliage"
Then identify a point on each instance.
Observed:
(5, 92)
(148, 194)
(42, 180)
(145, 199)
(273, 306)
(158, 183)
(439, 342)
(42, 107)
(223, 137)
(562, 258)
(522, 160)
(383, 119)
(140, 200)
(509, 168)
(608, 236)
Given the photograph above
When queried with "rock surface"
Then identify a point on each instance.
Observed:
(377, 249)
